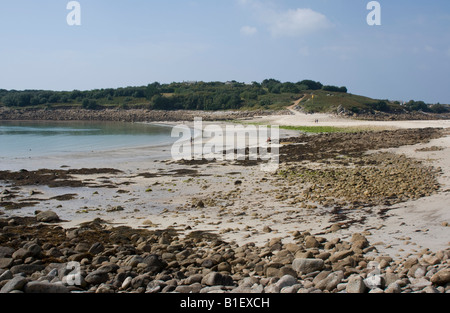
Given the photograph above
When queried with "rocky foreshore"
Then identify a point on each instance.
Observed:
(37, 256)
(131, 115)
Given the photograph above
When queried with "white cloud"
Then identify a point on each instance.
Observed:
(297, 22)
(248, 30)
(288, 23)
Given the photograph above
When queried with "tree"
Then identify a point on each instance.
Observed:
(152, 90)
(270, 83)
(312, 85)
(335, 89)
(290, 88)
(89, 104)
(10, 100)
(417, 106)
(380, 106)
(440, 108)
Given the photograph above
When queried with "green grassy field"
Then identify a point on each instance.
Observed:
(325, 102)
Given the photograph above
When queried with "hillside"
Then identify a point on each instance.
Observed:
(270, 94)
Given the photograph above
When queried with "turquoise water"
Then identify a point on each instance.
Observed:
(32, 139)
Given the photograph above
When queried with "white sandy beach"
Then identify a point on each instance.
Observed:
(244, 213)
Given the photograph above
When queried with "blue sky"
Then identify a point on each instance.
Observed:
(136, 42)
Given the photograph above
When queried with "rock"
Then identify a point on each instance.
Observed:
(126, 283)
(184, 289)
(356, 285)
(212, 279)
(267, 229)
(374, 281)
(311, 242)
(96, 248)
(6, 252)
(154, 263)
(207, 263)
(272, 289)
(82, 247)
(430, 289)
(43, 287)
(224, 267)
(393, 288)
(416, 268)
(20, 254)
(140, 281)
(410, 262)
(16, 283)
(47, 217)
(419, 283)
(441, 278)
(217, 279)
(287, 270)
(335, 228)
(306, 266)
(5, 262)
(286, 281)
(155, 286)
(7, 275)
(104, 288)
(291, 289)
(197, 278)
(340, 255)
(331, 281)
(212, 289)
(96, 278)
(430, 259)
(107, 268)
(391, 278)
(26, 269)
(359, 241)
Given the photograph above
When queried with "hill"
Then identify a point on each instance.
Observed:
(270, 94)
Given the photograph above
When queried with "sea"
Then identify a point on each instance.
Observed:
(31, 139)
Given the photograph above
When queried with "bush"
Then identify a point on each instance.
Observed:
(380, 106)
(90, 104)
(440, 108)
(312, 85)
(335, 89)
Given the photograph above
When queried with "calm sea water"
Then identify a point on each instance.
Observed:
(31, 139)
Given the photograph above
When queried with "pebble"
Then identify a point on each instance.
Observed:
(15, 283)
(45, 287)
(137, 261)
(356, 285)
(306, 266)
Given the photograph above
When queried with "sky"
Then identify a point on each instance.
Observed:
(137, 42)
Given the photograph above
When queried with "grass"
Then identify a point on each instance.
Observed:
(325, 102)
(316, 129)
(322, 129)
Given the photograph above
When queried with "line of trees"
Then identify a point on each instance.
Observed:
(174, 96)
(193, 96)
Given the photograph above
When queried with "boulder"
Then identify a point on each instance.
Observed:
(47, 217)
(44, 287)
(16, 283)
(356, 285)
(441, 278)
(306, 266)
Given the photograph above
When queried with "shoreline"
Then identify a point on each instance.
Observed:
(177, 194)
(240, 205)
